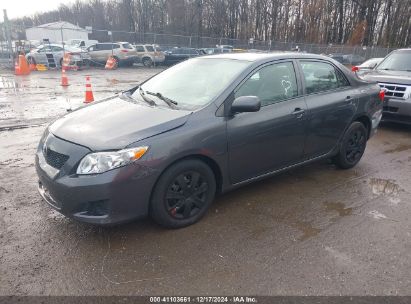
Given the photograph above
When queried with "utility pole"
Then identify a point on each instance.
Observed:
(8, 37)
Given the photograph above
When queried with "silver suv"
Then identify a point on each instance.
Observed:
(148, 54)
(394, 75)
(123, 52)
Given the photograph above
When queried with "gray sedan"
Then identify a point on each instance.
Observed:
(165, 148)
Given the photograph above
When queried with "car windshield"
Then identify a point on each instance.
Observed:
(397, 61)
(194, 83)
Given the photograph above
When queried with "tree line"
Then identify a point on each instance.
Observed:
(356, 22)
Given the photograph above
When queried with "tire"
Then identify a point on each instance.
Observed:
(31, 60)
(147, 62)
(352, 146)
(176, 202)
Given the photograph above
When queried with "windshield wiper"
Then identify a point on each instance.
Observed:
(171, 103)
(145, 98)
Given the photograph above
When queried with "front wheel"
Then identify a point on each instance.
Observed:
(352, 146)
(183, 194)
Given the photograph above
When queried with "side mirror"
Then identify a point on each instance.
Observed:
(246, 104)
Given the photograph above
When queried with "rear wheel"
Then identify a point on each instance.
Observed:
(147, 62)
(183, 194)
(352, 146)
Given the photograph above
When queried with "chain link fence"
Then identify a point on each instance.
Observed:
(7, 55)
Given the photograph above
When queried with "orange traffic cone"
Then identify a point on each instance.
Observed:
(64, 79)
(24, 66)
(111, 63)
(17, 70)
(89, 92)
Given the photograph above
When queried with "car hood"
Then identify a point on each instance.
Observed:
(116, 123)
(397, 77)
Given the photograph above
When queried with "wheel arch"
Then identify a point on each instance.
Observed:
(366, 121)
(215, 168)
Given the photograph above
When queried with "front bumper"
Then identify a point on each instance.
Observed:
(113, 197)
(397, 110)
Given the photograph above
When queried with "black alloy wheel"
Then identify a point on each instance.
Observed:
(183, 194)
(186, 195)
(352, 146)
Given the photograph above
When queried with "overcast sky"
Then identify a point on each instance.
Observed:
(21, 8)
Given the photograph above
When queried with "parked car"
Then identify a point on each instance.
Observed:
(166, 147)
(225, 46)
(211, 51)
(80, 43)
(370, 64)
(394, 75)
(123, 52)
(178, 54)
(350, 59)
(51, 55)
(149, 54)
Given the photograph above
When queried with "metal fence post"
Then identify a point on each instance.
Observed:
(8, 37)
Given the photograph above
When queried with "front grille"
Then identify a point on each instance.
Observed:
(55, 159)
(396, 90)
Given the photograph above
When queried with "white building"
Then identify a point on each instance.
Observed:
(56, 32)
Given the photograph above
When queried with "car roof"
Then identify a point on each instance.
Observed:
(255, 57)
(50, 44)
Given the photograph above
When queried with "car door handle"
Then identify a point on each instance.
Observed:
(349, 100)
(298, 113)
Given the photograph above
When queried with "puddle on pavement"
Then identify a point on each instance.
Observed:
(307, 229)
(377, 215)
(290, 218)
(18, 85)
(399, 148)
(338, 207)
(381, 186)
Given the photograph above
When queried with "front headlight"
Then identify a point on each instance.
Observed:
(100, 162)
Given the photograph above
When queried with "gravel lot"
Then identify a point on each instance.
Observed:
(315, 230)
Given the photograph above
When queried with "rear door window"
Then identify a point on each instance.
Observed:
(321, 77)
(103, 47)
(140, 48)
(149, 48)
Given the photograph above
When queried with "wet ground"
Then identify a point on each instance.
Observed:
(315, 230)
